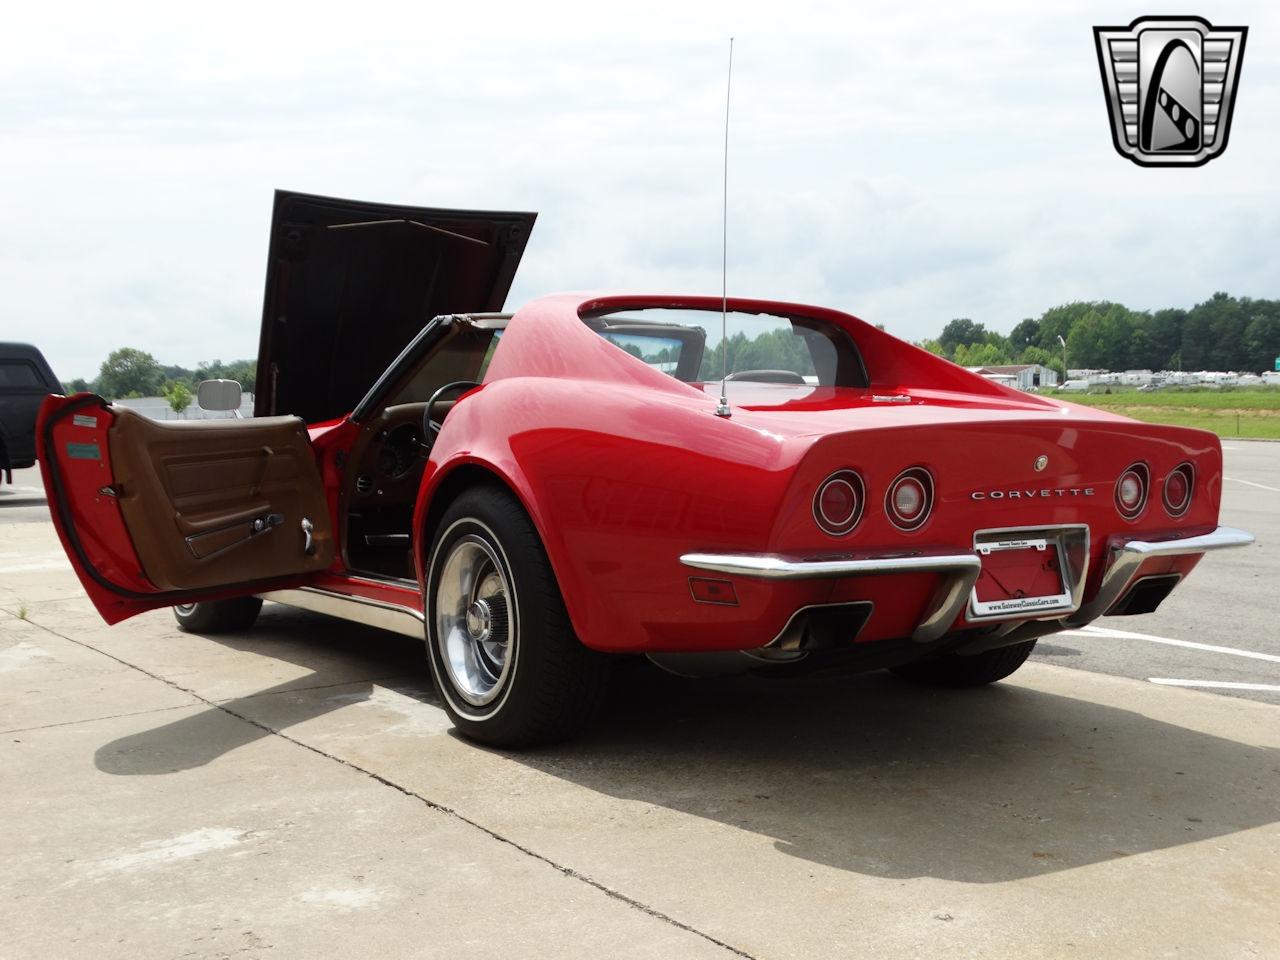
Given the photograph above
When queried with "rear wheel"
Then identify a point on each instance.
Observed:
(218, 616)
(954, 670)
(504, 657)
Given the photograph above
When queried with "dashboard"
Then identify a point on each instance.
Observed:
(400, 451)
(389, 459)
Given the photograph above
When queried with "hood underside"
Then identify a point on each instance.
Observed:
(349, 284)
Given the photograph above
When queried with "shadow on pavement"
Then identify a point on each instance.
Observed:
(867, 774)
(338, 654)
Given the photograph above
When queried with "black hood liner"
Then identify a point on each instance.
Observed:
(350, 283)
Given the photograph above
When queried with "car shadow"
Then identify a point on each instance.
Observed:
(342, 658)
(883, 777)
(865, 773)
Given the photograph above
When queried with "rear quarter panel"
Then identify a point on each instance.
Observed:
(619, 483)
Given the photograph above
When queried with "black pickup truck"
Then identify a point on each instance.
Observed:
(25, 380)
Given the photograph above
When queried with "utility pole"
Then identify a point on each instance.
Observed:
(1065, 376)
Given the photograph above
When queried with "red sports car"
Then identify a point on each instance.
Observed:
(533, 493)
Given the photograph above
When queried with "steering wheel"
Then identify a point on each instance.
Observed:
(430, 429)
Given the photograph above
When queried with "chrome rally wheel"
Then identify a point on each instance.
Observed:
(505, 661)
(475, 627)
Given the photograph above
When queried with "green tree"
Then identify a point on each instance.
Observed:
(179, 396)
(980, 355)
(244, 372)
(1227, 320)
(1164, 338)
(933, 346)
(1059, 321)
(961, 331)
(129, 371)
(1262, 337)
(1025, 334)
(1084, 342)
(1213, 336)
(779, 349)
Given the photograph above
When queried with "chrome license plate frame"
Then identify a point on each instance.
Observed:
(1071, 544)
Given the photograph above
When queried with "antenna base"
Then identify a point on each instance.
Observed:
(722, 408)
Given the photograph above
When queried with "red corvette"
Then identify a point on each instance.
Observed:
(535, 492)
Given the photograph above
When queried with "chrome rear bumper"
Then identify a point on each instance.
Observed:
(1124, 559)
(961, 571)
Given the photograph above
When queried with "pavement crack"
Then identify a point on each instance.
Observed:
(434, 805)
(111, 716)
(318, 686)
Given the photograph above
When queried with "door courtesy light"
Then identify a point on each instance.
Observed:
(1178, 487)
(910, 499)
(838, 502)
(1131, 491)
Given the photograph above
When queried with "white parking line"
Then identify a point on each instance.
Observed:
(1097, 632)
(1260, 486)
(1216, 684)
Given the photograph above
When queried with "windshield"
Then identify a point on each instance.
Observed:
(766, 348)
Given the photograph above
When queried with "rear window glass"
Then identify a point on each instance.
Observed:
(19, 373)
(760, 347)
(655, 350)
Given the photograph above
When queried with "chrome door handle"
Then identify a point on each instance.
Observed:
(308, 542)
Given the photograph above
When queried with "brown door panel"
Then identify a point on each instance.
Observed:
(199, 524)
(219, 502)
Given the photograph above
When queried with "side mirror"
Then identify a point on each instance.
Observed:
(218, 395)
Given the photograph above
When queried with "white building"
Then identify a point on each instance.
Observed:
(1022, 376)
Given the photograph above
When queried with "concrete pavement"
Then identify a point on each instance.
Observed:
(295, 791)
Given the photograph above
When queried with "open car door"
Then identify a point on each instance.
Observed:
(158, 513)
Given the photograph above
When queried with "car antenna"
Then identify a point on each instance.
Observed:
(722, 408)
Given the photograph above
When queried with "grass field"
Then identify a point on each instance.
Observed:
(1247, 413)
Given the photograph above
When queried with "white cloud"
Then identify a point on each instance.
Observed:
(907, 162)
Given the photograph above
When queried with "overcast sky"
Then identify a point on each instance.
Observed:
(906, 162)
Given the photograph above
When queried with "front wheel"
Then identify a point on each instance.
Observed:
(218, 616)
(504, 657)
(954, 670)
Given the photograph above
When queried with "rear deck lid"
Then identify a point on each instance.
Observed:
(350, 283)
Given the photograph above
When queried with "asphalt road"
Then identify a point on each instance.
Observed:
(1231, 601)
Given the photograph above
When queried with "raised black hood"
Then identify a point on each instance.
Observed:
(350, 283)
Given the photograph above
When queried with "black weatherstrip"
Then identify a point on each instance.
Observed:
(60, 503)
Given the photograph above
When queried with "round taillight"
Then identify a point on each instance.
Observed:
(1178, 487)
(910, 498)
(1131, 491)
(839, 502)
(837, 506)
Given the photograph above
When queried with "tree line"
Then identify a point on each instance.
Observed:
(129, 372)
(1222, 333)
